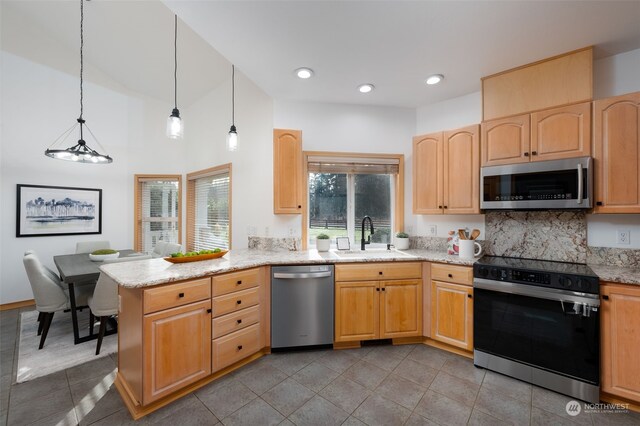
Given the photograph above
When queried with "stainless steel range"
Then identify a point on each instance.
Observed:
(538, 321)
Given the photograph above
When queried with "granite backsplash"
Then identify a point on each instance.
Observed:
(275, 243)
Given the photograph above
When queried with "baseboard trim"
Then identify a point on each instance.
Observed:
(16, 305)
(612, 399)
(346, 345)
(449, 348)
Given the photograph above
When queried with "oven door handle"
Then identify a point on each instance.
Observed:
(537, 292)
(580, 188)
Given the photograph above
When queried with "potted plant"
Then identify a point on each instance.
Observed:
(323, 242)
(402, 241)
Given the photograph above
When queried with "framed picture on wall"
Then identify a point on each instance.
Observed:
(57, 210)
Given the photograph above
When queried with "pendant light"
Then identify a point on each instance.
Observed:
(232, 137)
(80, 152)
(175, 126)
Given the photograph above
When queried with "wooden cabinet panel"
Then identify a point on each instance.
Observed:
(172, 295)
(506, 141)
(234, 321)
(617, 154)
(177, 349)
(452, 273)
(462, 171)
(377, 271)
(235, 346)
(287, 171)
(228, 283)
(620, 310)
(357, 311)
(561, 132)
(428, 174)
(452, 314)
(235, 301)
(400, 308)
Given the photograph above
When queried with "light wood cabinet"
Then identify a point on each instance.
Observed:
(177, 349)
(452, 314)
(617, 154)
(620, 337)
(378, 301)
(287, 171)
(446, 172)
(551, 134)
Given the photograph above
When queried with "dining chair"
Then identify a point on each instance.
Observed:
(158, 250)
(91, 246)
(49, 293)
(164, 249)
(104, 301)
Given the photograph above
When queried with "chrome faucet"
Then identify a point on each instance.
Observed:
(362, 241)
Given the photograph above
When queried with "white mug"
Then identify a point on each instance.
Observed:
(468, 249)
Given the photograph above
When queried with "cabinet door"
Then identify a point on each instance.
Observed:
(427, 174)
(617, 154)
(287, 171)
(620, 341)
(452, 314)
(357, 311)
(400, 308)
(561, 132)
(505, 141)
(462, 171)
(177, 349)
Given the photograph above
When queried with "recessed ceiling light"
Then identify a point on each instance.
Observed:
(366, 88)
(434, 79)
(304, 73)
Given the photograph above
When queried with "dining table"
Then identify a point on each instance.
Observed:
(79, 269)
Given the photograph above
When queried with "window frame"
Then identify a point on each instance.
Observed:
(191, 210)
(397, 191)
(138, 179)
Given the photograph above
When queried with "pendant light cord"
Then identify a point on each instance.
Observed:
(175, 61)
(81, 64)
(233, 94)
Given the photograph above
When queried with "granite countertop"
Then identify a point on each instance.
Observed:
(617, 274)
(158, 271)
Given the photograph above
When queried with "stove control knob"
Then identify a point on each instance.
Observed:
(503, 274)
(582, 284)
(483, 272)
(565, 282)
(494, 273)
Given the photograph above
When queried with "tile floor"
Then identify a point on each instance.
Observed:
(379, 385)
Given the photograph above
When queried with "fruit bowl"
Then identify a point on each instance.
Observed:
(185, 259)
(102, 257)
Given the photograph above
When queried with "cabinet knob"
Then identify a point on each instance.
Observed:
(526, 154)
(439, 207)
(534, 152)
(239, 347)
(239, 321)
(238, 302)
(469, 296)
(180, 294)
(380, 273)
(383, 288)
(209, 311)
(445, 207)
(377, 289)
(598, 203)
(239, 282)
(450, 275)
(299, 207)
(605, 297)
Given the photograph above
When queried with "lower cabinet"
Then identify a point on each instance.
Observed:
(452, 314)
(177, 348)
(620, 337)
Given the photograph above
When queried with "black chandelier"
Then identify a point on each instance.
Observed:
(80, 152)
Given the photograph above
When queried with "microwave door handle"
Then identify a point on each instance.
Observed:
(580, 189)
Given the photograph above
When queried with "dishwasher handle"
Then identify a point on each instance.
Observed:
(287, 275)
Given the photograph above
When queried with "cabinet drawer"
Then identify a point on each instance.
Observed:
(235, 321)
(235, 346)
(235, 301)
(452, 273)
(172, 295)
(375, 271)
(235, 281)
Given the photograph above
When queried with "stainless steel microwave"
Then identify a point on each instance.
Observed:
(555, 184)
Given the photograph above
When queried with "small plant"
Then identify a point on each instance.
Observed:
(103, 251)
(322, 237)
(402, 235)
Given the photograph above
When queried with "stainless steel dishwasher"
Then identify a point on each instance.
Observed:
(301, 306)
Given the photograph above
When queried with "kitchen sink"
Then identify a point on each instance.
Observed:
(370, 253)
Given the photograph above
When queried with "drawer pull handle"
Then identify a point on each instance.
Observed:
(239, 347)
(380, 273)
(238, 302)
(209, 311)
(469, 296)
(605, 297)
(239, 321)
(180, 294)
(239, 282)
(450, 275)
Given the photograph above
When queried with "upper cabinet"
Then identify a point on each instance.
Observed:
(551, 134)
(446, 172)
(287, 171)
(616, 152)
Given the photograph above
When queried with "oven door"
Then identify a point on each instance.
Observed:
(555, 330)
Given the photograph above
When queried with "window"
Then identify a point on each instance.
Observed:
(343, 188)
(209, 209)
(157, 210)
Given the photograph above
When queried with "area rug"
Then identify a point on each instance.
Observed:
(59, 352)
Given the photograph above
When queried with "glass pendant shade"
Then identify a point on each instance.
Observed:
(232, 139)
(175, 125)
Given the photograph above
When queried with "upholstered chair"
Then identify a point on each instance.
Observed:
(91, 246)
(104, 302)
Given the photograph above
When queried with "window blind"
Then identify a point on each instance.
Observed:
(158, 212)
(209, 209)
(356, 165)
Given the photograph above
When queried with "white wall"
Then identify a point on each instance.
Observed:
(38, 103)
(616, 75)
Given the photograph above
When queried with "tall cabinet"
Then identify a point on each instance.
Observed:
(287, 171)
